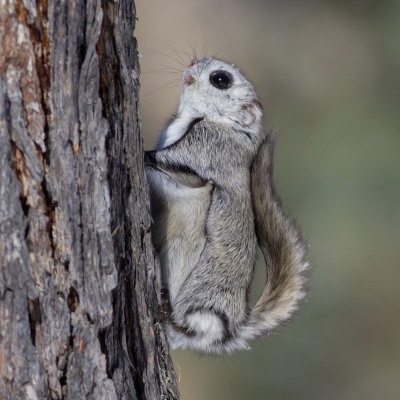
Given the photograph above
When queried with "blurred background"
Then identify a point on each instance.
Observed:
(328, 75)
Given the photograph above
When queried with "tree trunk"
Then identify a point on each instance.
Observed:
(79, 284)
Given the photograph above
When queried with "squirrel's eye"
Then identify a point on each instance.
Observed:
(221, 80)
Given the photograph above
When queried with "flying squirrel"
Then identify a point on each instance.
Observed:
(212, 201)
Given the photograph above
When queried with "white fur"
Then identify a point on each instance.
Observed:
(186, 216)
(206, 323)
(178, 127)
(231, 108)
(234, 108)
(208, 328)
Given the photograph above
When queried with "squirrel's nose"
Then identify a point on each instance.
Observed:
(194, 61)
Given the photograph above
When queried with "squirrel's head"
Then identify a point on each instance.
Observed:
(218, 92)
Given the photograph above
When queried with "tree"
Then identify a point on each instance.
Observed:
(79, 284)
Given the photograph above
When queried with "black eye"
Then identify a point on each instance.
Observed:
(221, 80)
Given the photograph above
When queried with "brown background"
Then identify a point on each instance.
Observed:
(328, 76)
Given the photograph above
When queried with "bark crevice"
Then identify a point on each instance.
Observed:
(79, 286)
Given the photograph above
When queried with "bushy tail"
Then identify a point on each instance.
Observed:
(283, 248)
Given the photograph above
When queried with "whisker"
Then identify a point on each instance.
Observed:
(194, 45)
(160, 81)
(167, 86)
(191, 47)
(224, 48)
(177, 54)
(169, 56)
(175, 75)
(161, 70)
(205, 44)
(168, 66)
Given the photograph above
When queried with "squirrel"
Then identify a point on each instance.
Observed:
(212, 201)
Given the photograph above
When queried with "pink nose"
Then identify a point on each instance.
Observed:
(194, 61)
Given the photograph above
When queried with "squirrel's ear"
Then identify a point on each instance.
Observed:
(252, 112)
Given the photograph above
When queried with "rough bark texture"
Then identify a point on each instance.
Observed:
(79, 296)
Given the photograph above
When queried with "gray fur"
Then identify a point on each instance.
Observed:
(212, 200)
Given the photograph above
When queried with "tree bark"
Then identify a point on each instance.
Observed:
(79, 284)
